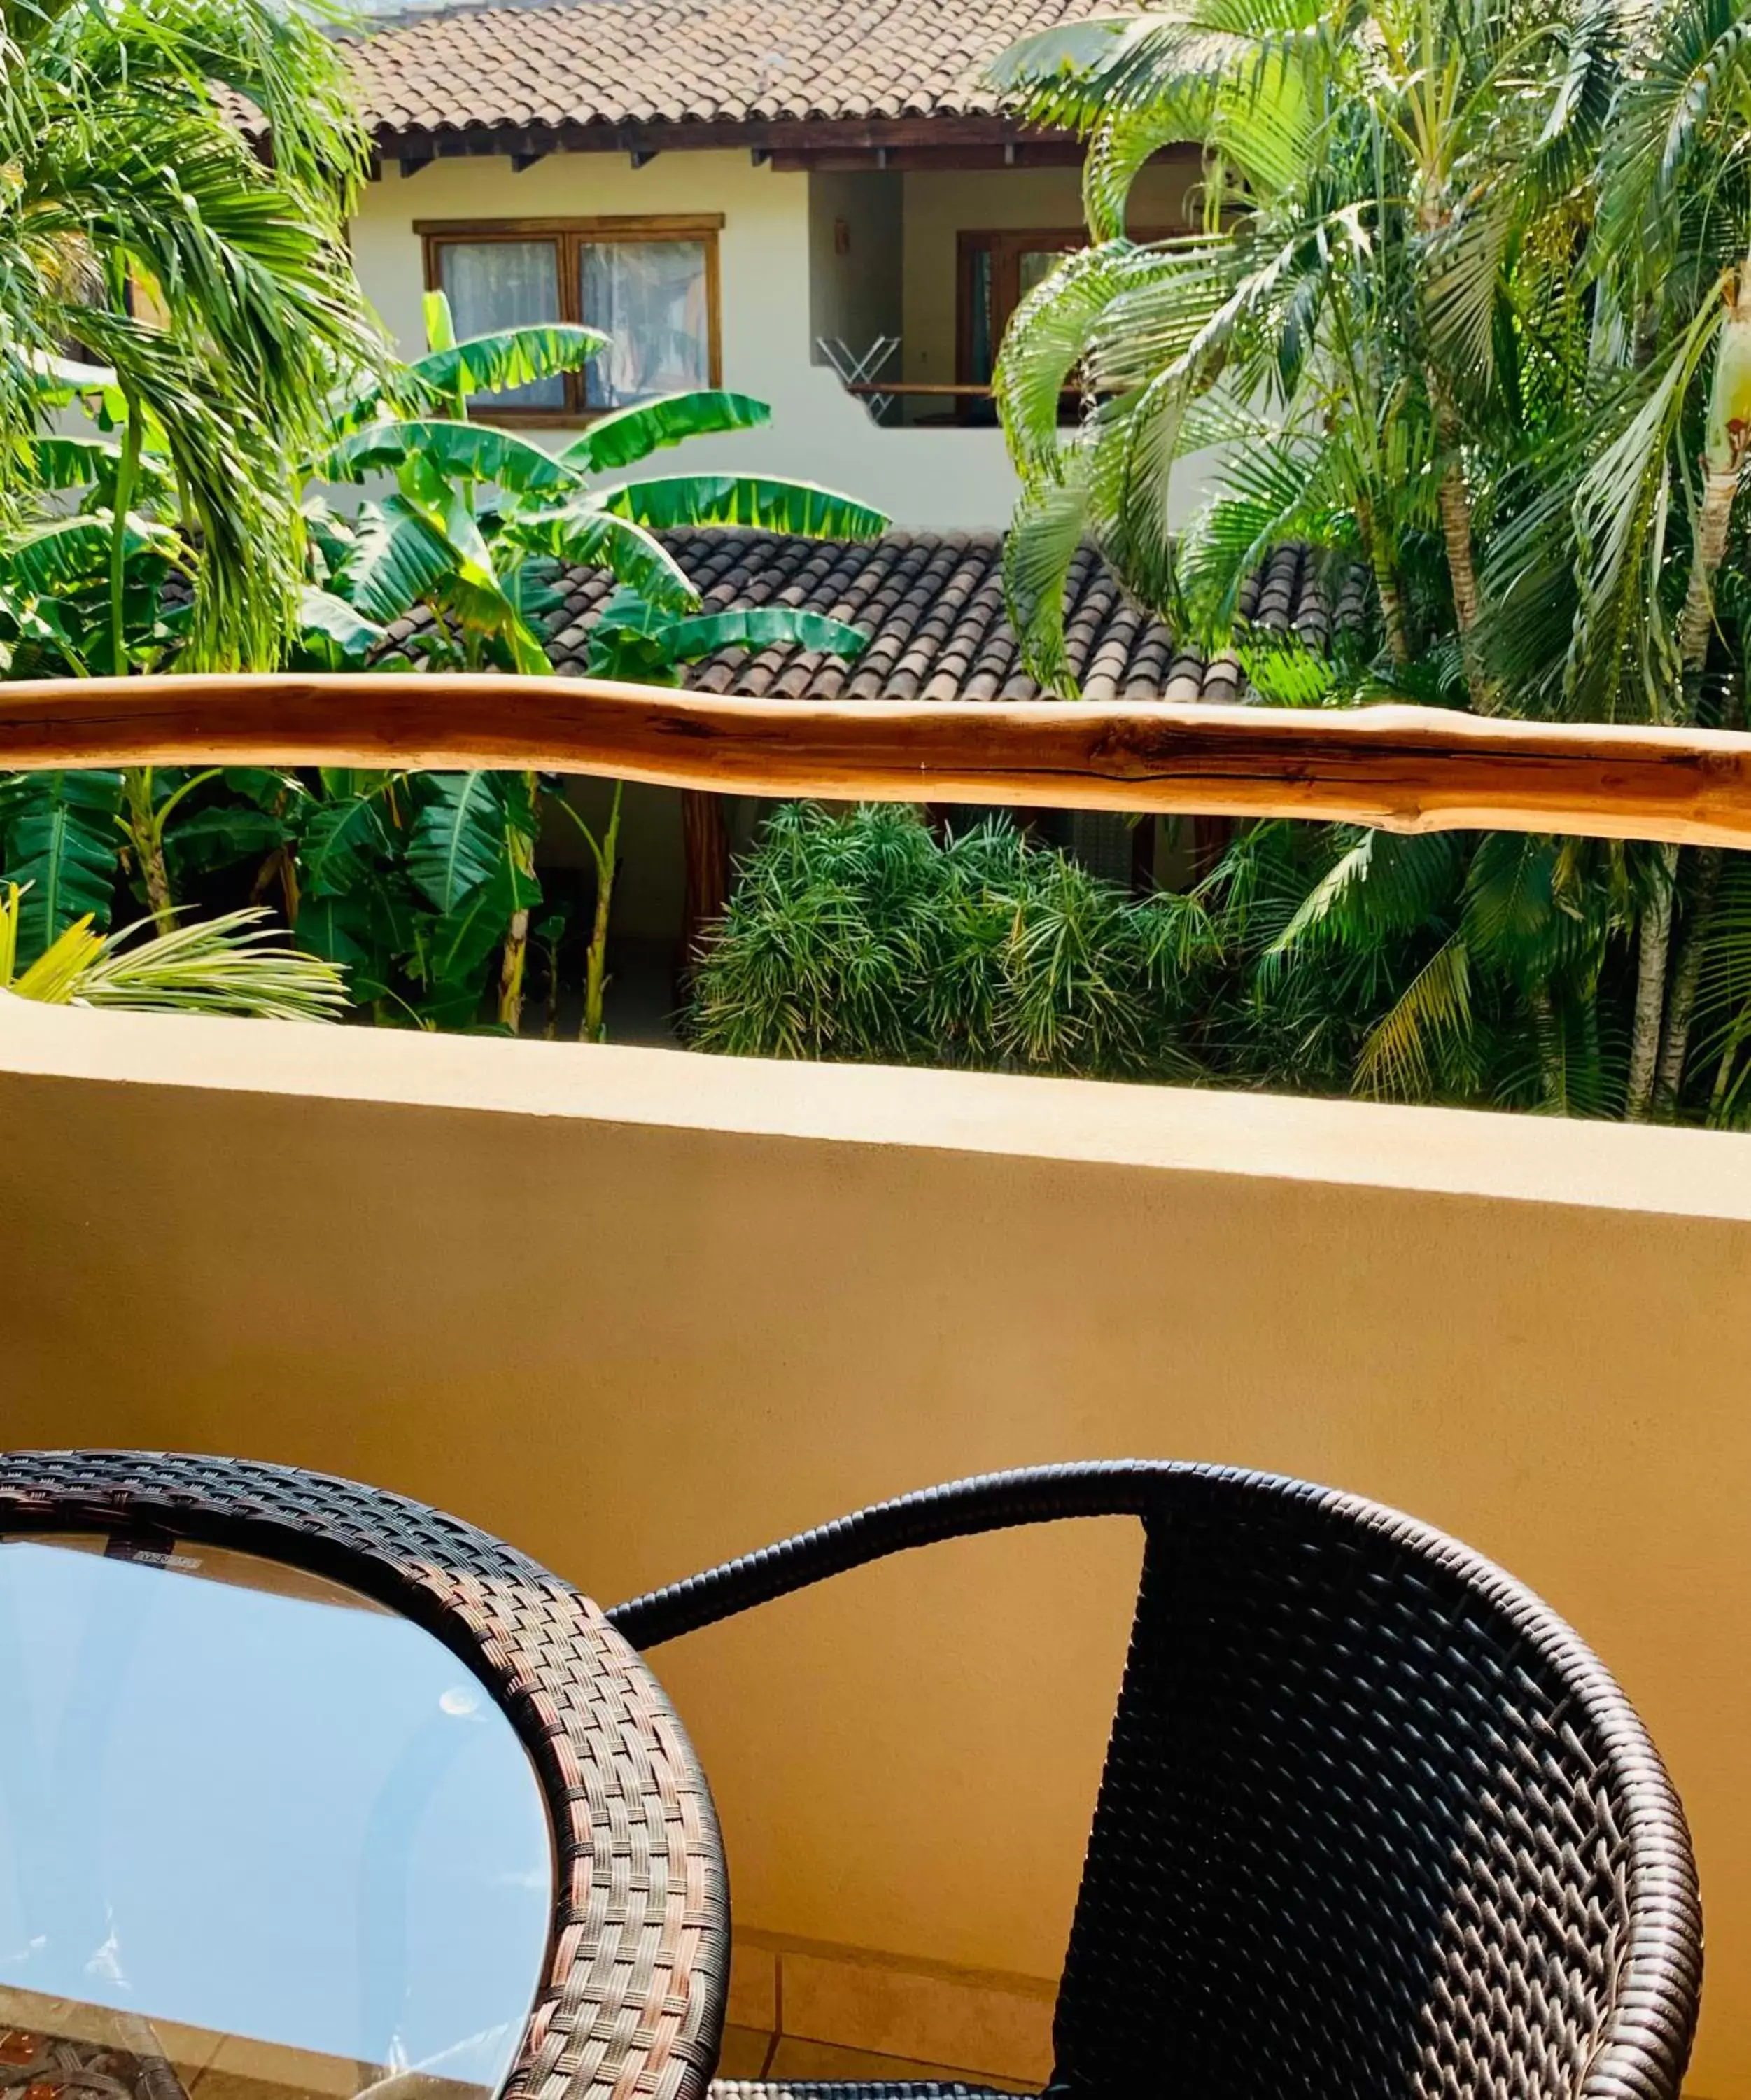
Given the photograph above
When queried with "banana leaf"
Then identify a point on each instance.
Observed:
(760, 627)
(342, 842)
(335, 631)
(363, 930)
(54, 460)
(398, 556)
(52, 560)
(455, 450)
(796, 507)
(631, 434)
(454, 946)
(510, 357)
(591, 538)
(59, 835)
(458, 840)
(220, 837)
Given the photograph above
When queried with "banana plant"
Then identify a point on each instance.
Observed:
(466, 545)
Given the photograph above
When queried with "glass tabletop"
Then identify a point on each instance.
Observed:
(253, 1827)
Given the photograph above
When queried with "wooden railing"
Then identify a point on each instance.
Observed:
(1401, 769)
(951, 390)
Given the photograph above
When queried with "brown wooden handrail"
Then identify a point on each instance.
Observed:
(1401, 769)
(936, 386)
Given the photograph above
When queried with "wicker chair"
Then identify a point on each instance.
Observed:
(1373, 1821)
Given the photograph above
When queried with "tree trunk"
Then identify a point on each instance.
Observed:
(1386, 585)
(512, 964)
(1727, 436)
(1687, 976)
(1393, 614)
(1714, 518)
(1649, 994)
(515, 963)
(1454, 501)
(148, 848)
(707, 853)
(550, 1021)
(1552, 1082)
(595, 1028)
(1723, 1075)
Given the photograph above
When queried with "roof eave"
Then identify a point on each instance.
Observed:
(864, 140)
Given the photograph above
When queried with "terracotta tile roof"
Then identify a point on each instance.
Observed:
(933, 606)
(579, 63)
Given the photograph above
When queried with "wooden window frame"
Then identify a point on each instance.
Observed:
(570, 236)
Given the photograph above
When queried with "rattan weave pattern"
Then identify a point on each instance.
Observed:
(1373, 1821)
(637, 1961)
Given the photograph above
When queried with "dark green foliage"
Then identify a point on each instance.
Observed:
(59, 834)
(862, 938)
(1490, 971)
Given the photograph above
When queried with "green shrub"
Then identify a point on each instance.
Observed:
(862, 938)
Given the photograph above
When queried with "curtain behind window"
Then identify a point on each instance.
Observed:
(649, 296)
(494, 284)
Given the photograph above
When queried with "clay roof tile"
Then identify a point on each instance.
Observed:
(568, 64)
(933, 606)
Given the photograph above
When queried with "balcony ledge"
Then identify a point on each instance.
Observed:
(1183, 1130)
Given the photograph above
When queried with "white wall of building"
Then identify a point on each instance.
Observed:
(788, 276)
(926, 480)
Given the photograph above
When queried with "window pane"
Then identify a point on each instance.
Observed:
(649, 296)
(1038, 265)
(494, 284)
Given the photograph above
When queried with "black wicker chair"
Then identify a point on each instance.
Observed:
(1375, 1822)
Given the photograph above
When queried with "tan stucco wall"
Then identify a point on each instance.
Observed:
(939, 480)
(638, 1310)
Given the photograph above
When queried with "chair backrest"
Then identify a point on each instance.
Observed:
(1373, 1821)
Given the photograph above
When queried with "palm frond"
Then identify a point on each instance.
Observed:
(1413, 1049)
(236, 965)
(1045, 535)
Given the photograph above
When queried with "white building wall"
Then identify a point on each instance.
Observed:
(939, 480)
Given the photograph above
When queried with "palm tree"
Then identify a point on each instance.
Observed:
(210, 290)
(1610, 580)
(139, 222)
(1371, 178)
(1472, 305)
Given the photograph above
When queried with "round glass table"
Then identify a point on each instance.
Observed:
(258, 1834)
